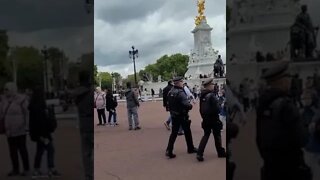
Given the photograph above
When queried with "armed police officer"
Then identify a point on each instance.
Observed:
(179, 106)
(280, 131)
(209, 110)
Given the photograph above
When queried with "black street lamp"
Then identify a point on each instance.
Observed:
(45, 53)
(134, 54)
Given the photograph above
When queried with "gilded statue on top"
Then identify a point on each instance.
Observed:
(201, 15)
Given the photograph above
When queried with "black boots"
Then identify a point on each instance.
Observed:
(170, 155)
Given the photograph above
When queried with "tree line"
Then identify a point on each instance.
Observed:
(166, 66)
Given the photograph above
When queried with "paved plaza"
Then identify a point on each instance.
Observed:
(67, 152)
(140, 155)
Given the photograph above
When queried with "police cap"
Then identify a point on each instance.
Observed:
(207, 82)
(176, 79)
(276, 72)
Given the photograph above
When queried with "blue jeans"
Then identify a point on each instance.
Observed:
(114, 114)
(41, 147)
(133, 114)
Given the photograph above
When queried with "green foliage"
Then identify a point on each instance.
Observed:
(95, 75)
(29, 65)
(5, 74)
(167, 67)
(106, 80)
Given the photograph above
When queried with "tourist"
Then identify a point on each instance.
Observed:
(42, 125)
(165, 102)
(111, 104)
(83, 99)
(100, 103)
(152, 94)
(132, 107)
(14, 116)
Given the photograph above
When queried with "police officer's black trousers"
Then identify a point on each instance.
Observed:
(217, 139)
(185, 124)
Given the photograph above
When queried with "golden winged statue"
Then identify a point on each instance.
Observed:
(201, 9)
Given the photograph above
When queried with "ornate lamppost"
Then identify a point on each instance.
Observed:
(134, 54)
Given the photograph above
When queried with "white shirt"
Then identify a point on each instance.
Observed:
(188, 92)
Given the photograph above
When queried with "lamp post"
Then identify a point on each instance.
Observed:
(134, 54)
(45, 53)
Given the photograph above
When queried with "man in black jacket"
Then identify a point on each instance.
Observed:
(111, 104)
(179, 106)
(281, 134)
(165, 103)
(209, 110)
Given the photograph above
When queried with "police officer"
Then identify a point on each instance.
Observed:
(280, 131)
(209, 110)
(179, 106)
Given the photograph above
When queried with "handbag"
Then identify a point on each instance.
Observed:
(2, 120)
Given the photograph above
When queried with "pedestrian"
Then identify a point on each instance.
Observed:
(179, 106)
(152, 94)
(14, 117)
(132, 107)
(209, 110)
(83, 99)
(165, 102)
(100, 103)
(42, 124)
(281, 134)
(111, 104)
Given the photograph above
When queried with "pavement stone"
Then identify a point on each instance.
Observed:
(140, 155)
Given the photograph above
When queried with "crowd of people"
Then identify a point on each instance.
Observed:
(23, 114)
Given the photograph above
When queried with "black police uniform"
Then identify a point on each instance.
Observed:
(179, 106)
(209, 110)
(280, 133)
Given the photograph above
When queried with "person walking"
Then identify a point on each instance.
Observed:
(179, 105)
(14, 117)
(100, 103)
(42, 124)
(281, 133)
(111, 104)
(152, 94)
(83, 99)
(165, 102)
(132, 107)
(209, 110)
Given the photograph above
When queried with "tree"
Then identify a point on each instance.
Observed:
(106, 80)
(58, 61)
(166, 66)
(29, 66)
(95, 75)
(5, 74)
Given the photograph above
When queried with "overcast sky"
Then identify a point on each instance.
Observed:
(63, 24)
(154, 27)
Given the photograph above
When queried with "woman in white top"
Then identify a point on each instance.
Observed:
(14, 114)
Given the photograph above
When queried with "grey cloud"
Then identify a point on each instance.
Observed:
(35, 15)
(120, 11)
